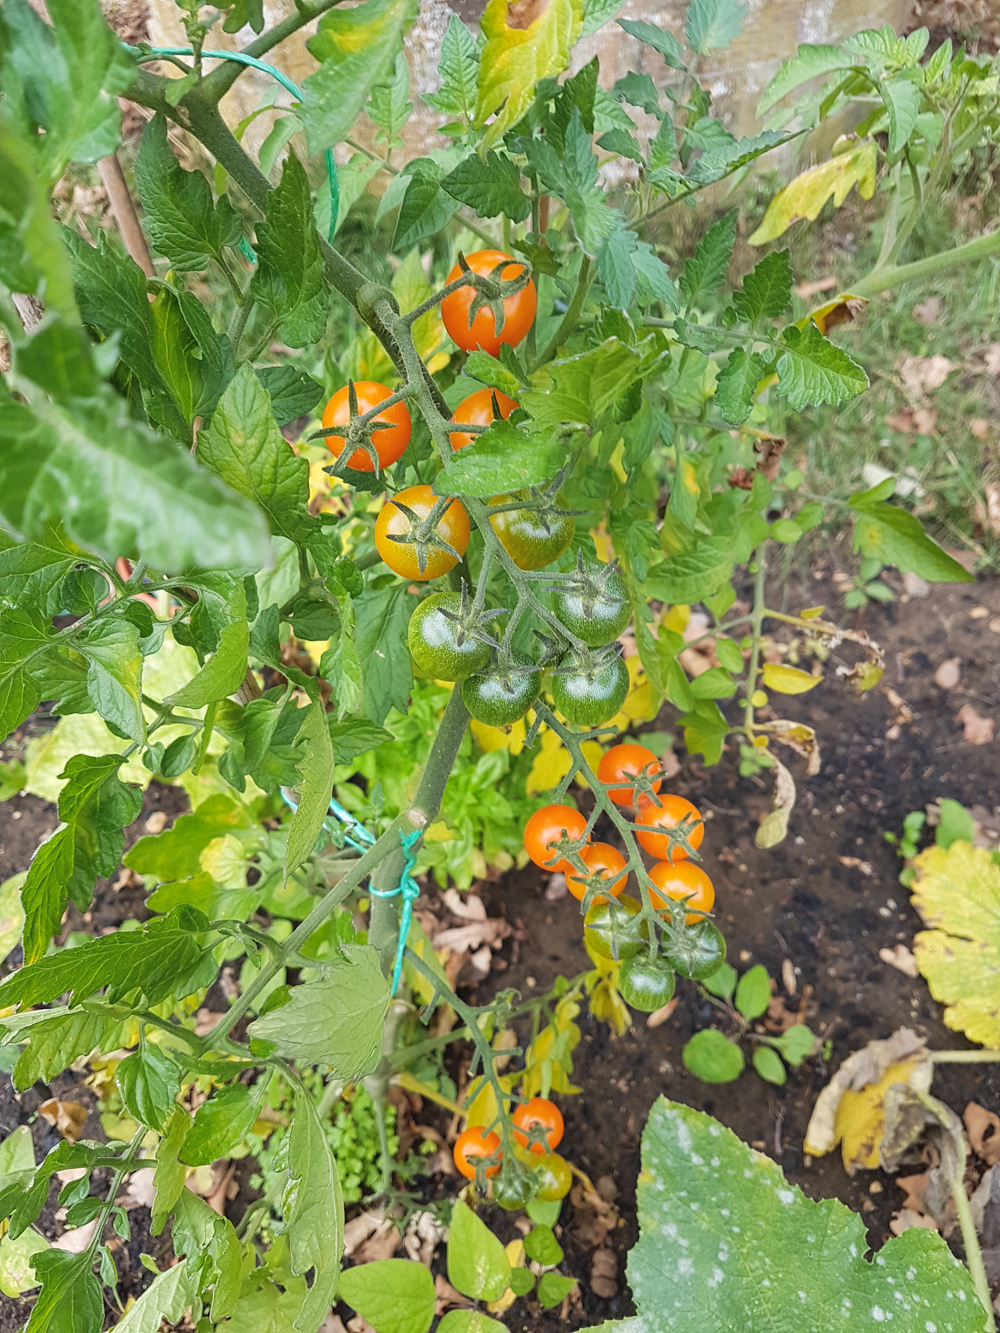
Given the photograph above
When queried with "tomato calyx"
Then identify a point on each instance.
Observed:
(586, 662)
(470, 619)
(592, 603)
(491, 288)
(423, 534)
(680, 835)
(358, 431)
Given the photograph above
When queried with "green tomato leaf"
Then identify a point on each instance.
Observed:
(149, 1083)
(477, 1264)
(356, 49)
(57, 1041)
(692, 575)
(70, 1300)
(288, 245)
(177, 207)
(490, 185)
(753, 994)
(701, 1185)
(705, 271)
(660, 39)
(32, 259)
(596, 13)
(313, 789)
(766, 291)
(381, 617)
(723, 160)
(715, 683)
(711, 25)
(292, 392)
(501, 459)
(316, 1220)
(893, 536)
(394, 1295)
(336, 1021)
(712, 1057)
(158, 959)
(814, 370)
(354, 737)
(167, 1297)
(736, 387)
(488, 370)
(220, 1125)
(114, 675)
(458, 67)
(811, 62)
(580, 389)
(903, 98)
(169, 1173)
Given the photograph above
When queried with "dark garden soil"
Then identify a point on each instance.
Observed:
(825, 901)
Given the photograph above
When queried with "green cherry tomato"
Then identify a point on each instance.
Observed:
(590, 692)
(502, 695)
(513, 1187)
(593, 605)
(695, 951)
(645, 985)
(445, 648)
(532, 538)
(553, 1177)
(605, 928)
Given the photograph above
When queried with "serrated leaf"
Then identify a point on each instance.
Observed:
(728, 157)
(477, 1263)
(598, 12)
(158, 958)
(896, 537)
(425, 207)
(382, 616)
(458, 67)
(316, 1221)
(313, 788)
(488, 370)
(737, 1279)
(149, 1083)
(736, 386)
(501, 459)
(178, 212)
(490, 185)
(220, 1125)
(169, 1173)
(957, 893)
(580, 389)
(292, 392)
(711, 25)
(336, 1021)
(766, 291)
(356, 49)
(514, 59)
(810, 62)
(814, 370)
(70, 1300)
(225, 670)
(393, 1295)
(355, 736)
(807, 193)
(693, 575)
(166, 1298)
(114, 675)
(119, 487)
(56, 1042)
(660, 39)
(288, 244)
(903, 99)
(705, 271)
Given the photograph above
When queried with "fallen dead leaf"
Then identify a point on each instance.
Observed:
(805, 290)
(979, 427)
(983, 1129)
(140, 1192)
(556, 888)
(900, 958)
(901, 421)
(156, 822)
(906, 1219)
(915, 585)
(779, 1018)
(948, 674)
(68, 1117)
(660, 1016)
(788, 978)
(78, 1239)
(854, 863)
(992, 493)
(977, 730)
(604, 1274)
(927, 311)
(447, 1295)
(920, 374)
(991, 359)
(925, 420)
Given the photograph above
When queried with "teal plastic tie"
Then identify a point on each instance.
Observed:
(410, 891)
(289, 86)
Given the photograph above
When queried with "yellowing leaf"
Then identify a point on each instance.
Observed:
(525, 42)
(957, 893)
(860, 1120)
(592, 752)
(225, 859)
(603, 544)
(806, 194)
(677, 618)
(493, 738)
(786, 679)
(548, 1061)
(842, 309)
(439, 832)
(552, 762)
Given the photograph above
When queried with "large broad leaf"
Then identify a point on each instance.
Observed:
(811, 62)
(120, 489)
(292, 392)
(66, 75)
(167, 1297)
(894, 536)
(314, 787)
(502, 459)
(70, 1299)
(356, 48)
(710, 1210)
(393, 1295)
(515, 58)
(806, 194)
(290, 274)
(711, 25)
(578, 390)
(957, 893)
(813, 370)
(336, 1021)
(32, 258)
(491, 185)
(692, 575)
(382, 616)
(315, 1225)
(477, 1263)
(178, 212)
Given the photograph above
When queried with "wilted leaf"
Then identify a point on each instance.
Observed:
(787, 680)
(805, 196)
(774, 827)
(525, 42)
(957, 893)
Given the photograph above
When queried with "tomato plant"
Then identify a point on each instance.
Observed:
(200, 595)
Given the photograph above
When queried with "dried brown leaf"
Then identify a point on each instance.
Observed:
(977, 730)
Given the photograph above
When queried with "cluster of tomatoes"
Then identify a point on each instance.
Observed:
(538, 1131)
(421, 536)
(670, 828)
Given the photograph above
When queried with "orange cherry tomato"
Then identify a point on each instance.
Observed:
(538, 1113)
(519, 309)
(547, 826)
(413, 559)
(684, 882)
(471, 1146)
(671, 811)
(477, 410)
(622, 762)
(599, 858)
(390, 445)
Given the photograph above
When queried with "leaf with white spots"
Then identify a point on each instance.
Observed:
(727, 1243)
